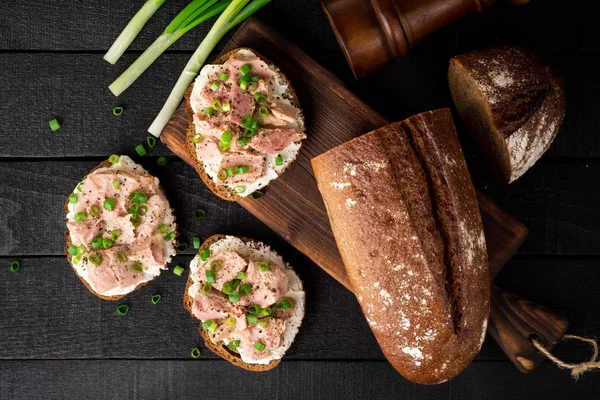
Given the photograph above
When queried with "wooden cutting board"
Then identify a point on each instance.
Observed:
(292, 205)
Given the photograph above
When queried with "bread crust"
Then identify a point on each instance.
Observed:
(68, 242)
(512, 102)
(423, 283)
(222, 191)
(217, 348)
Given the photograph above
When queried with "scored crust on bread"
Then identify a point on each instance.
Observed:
(68, 242)
(406, 221)
(512, 102)
(220, 348)
(225, 192)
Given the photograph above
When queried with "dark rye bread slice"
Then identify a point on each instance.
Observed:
(222, 191)
(405, 218)
(68, 242)
(220, 348)
(512, 102)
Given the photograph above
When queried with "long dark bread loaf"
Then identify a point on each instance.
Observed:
(511, 101)
(405, 218)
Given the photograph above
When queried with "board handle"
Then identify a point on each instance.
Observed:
(514, 321)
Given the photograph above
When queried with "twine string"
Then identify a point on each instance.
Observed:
(576, 369)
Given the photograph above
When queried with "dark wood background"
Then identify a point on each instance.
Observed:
(59, 341)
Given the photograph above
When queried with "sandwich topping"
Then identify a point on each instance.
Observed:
(246, 298)
(247, 129)
(121, 226)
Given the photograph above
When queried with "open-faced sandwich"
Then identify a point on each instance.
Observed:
(121, 229)
(250, 302)
(247, 126)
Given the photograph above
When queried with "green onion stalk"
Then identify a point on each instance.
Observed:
(191, 16)
(237, 12)
(132, 29)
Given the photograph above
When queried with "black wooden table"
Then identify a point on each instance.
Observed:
(59, 341)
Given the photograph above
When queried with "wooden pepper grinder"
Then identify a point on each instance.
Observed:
(374, 32)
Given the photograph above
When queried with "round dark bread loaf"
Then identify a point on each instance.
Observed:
(405, 218)
(222, 191)
(511, 101)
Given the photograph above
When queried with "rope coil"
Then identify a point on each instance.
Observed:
(576, 369)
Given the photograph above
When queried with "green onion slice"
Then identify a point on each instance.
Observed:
(243, 169)
(116, 184)
(234, 297)
(161, 161)
(227, 288)
(267, 311)
(257, 195)
(226, 107)
(240, 189)
(209, 111)
(215, 265)
(235, 283)
(215, 85)
(252, 319)
(115, 235)
(80, 216)
(259, 346)
(151, 141)
(244, 85)
(245, 69)
(114, 158)
(234, 344)
(73, 198)
(210, 325)
(224, 146)
(81, 250)
(107, 243)
(123, 309)
(259, 97)
(222, 175)
(137, 267)
(263, 266)
(196, 242)
(141, 150)
(118, 110)
(15, 265)
(285, 304)
(226, 136)
(216, 104)
(204, 254)
(245, 289)
(279, 160)
(121, 256)
(230, 321)
(210, 276)
(96, 243)
(164, 229)
(135, 221)
(223, 76)
(76, 259)
(195, 353)
(197, 138)
(138, 197)
(178, 270)
(155, 298)
(254, 309)
(109, 204)
(199, 213)
(207, 287)
(241, 276)
(264, 323)
(94, 210)
(143, 210)
(96, 259)
(254, 78)
(170, 236)
(80, 187)
(263, 111)
(242, 141)
(182, 247)
(54, 125)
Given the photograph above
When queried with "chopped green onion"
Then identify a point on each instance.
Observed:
(81, 250)
(107, 243)
(230, 321)
(235, 283)
(76, 259)
(259, 97)
(96, 259)
(248, 133)
(244, 78)
(209, 111)
(121, 256)
(164, 229)
(72, 249)
(123, 309)
(170, 236)
(207, 287)
(254, 125)
(259, 346)
(254, 78)
(244, 85)
(257, 195)
(243, 169)
(222, 175)
(246, 119)
(242, 141)
(264, 323)
(80, 216)
(245, 69)
(279, 161)
(245, 289)
(216, 104)
(267, 311)
(135, 221)
(210, 276)
(80, 187)
(195, 353)
(263, 111)
(234, 297)
(137, 197)
(73, 198)
(199, 213)
(133, 208)
(226, 107)
(132, 29)
(204, 254)
(196, 242)
(215, 265)
(227, 288)
(182, 247)
(143, 210)
(155, 298)
(94, 210)
(252, 319)
(263, 266)
(114, 158)
(96, 243)
(116, 184)
(285, 304)
(241, 276)
(215, 85)
(137, 267)
(226, 136)
(210, 325)
(115, 235)
(151, 141)
(178, 270)
(254, 309)
(117, 111)
(54, 125)
(223, 76)
(234, 344)
(224, 146)
(109, 204)
(197, 138)
(141, 150)
(240, 189)
(161, 161)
